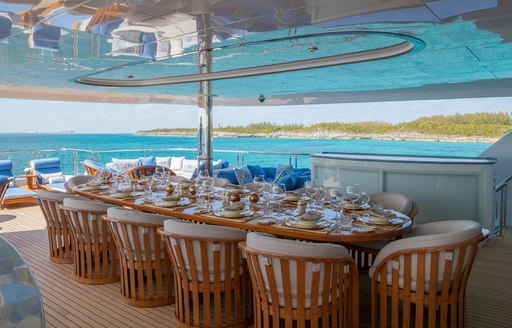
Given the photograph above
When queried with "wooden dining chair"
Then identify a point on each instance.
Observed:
(75, 181)
(422, 278)
(59, 234)
(211, 278)
(146, 273)
(364, 253)
(301, 284)
(95, 254)
(146, 170)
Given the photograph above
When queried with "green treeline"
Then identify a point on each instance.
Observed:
(490, 125)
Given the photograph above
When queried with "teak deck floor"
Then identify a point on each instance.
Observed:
(68, 303)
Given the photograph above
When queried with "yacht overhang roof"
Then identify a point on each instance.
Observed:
(459, 49)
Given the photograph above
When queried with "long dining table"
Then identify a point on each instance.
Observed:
(187, 210)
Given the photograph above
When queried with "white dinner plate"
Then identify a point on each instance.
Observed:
(303, 224)
(363, 229)
(233, 214)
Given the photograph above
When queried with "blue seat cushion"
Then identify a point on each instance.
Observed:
(145, 161)
(228, 174)
(256, 170)
(6, 167)
(3, 179)
(46, 165)
(58, 186)
(14, 193)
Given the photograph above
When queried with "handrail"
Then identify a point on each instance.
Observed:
(503, 183)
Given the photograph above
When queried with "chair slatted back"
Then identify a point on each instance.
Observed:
(146, 170)
(433, 279)
(59, 234)
(146, 271)
(326, 292)
(209, 271)
(94, 249)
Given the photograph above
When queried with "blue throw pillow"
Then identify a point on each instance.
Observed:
(144, 161)
(243, 175)
(256, 170)
(301, 180)
(286, 182)
(229, 175)
(281, 169)
(270, 172)
(224, 165)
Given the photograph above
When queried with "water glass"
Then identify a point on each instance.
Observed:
(346, 221)
(148, 195)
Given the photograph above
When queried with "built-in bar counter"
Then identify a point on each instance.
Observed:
(445, 188)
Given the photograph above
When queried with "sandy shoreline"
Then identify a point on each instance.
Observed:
(330, 135)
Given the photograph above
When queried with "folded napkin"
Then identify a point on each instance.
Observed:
(311, 216)
(236, 206)
(381, 213)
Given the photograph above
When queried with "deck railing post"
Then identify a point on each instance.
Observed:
(75, 162)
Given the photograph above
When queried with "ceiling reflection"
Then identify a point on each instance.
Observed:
(49, 44)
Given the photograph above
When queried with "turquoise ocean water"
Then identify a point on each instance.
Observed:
(130, 141)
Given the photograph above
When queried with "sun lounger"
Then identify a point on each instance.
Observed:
(11, 193)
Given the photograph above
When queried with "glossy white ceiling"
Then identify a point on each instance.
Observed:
(460, 49)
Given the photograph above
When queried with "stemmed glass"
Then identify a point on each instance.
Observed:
(279, 194)
(105, 174)
(259, 183)
(365, 199)
(311, 189)
(268, 193)
(353, 194)
(338, 197)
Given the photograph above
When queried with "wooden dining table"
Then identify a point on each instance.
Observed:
(187, 210)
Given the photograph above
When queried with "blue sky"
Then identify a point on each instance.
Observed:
(53, 116)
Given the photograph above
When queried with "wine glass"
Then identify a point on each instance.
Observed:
(279, 195)
(365, 199)
(259, 183)
(311, 189)
(339, 200)
(353, 194)
(105, 174)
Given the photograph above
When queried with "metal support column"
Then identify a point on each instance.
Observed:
(204, 99)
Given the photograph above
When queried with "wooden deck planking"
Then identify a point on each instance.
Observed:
(68, 303)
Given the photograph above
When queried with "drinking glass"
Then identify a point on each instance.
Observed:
(105, 174)
(365, 199)
(311, 189)
(278, 196)
(268, 192)
(259, 183)
(353, 194)
(339, 200)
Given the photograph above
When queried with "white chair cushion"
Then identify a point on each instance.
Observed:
(293, 248)
(428, 235)
(52, 195)
(391, 200)
(92, 219)
(74, 182)
(138, 219)
(191, 230)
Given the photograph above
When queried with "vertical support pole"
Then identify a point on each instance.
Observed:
(75, 162)
(204, 99)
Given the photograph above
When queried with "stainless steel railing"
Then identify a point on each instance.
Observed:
(501, 206)
(75, 155)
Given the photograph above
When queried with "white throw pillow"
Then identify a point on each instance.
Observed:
(189, 165)
(164, 161)
(52, 177)
(177, 163)
(124, 163)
